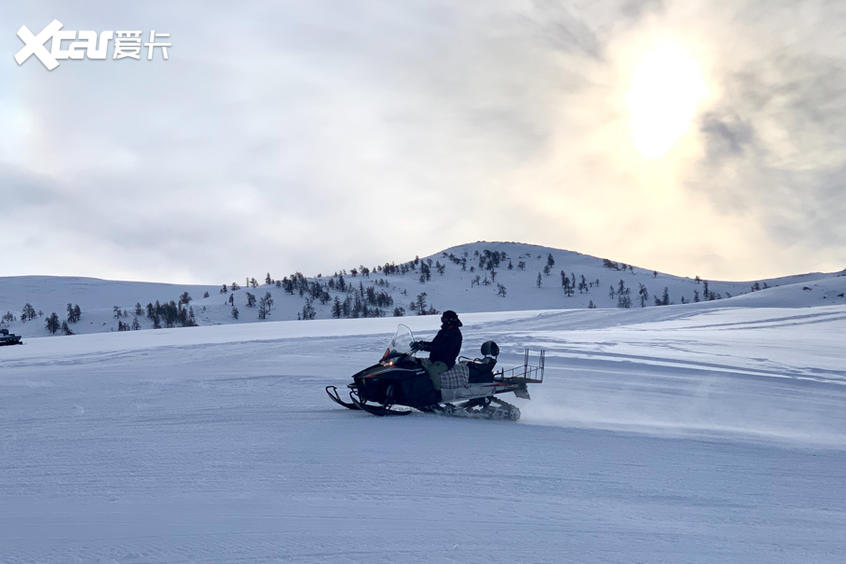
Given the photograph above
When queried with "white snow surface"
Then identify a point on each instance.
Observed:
(668, 434)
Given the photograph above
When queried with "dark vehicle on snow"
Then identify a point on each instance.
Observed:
(7, 338)
(468, 389)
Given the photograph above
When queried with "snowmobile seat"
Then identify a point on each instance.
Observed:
(481, 369)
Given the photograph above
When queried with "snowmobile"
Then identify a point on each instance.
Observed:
(7, 338)
(468, 389)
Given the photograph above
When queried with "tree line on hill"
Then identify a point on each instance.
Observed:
(366, 292)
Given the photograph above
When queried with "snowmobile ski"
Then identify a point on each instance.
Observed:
(379, 410)
(333, 394)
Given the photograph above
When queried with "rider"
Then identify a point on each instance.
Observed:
(443, 349)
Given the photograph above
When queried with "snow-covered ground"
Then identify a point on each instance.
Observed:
(672, 434)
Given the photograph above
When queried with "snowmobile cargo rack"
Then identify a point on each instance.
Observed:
(527, 373)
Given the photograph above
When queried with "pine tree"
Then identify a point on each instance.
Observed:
(53, 324)
(264, 306)
(624, 299)
(643, 293)
(28, 312)
(421, 303)
(308, 311)
(74, 313)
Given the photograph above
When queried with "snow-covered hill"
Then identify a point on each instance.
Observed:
(96, 298)
(468, 278)
(668, 434)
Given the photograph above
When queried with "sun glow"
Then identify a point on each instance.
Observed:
(666, 87)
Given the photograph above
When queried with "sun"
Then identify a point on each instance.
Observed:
(666, 88)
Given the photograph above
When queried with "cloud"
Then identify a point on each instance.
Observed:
(22, 191)
(773, 146)
(317, 136)
(726, 136)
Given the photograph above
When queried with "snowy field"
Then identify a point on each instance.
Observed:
(673, 434)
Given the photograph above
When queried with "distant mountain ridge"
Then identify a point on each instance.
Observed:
(473, 277)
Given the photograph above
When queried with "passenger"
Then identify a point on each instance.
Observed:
(443, 349)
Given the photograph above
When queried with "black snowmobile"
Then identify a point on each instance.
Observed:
(7, 338)
(468, 389)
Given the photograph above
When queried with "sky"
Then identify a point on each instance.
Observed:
(695, 138)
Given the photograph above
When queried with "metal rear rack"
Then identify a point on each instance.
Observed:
(531, 372)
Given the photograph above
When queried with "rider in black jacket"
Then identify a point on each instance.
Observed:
(444, 348)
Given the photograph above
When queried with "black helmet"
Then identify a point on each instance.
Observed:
(450, 317)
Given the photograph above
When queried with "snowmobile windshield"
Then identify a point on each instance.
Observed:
(401, 343)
